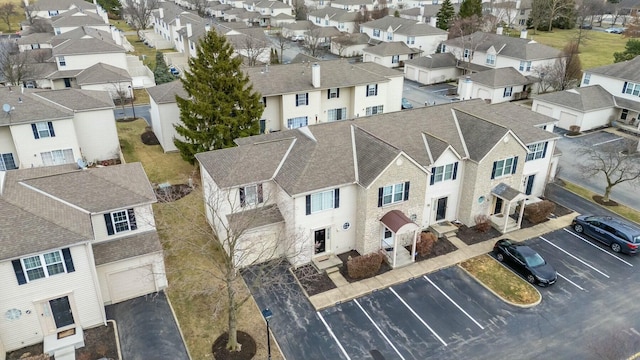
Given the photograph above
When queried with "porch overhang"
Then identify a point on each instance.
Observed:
(399, 223)
(510, 196)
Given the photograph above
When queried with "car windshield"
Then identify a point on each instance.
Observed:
(534, 260)
(636, 239)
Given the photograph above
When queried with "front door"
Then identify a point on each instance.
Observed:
(61, 311)
(441, 209)
(498, 208)
(320, 238)
(529, 186)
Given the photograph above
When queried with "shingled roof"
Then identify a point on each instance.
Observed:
(166, 93)
(101, 73)
(587, 98)
(627, 70)
(390, 48)
(403, 26)
(500, 77)
(434, 61)
(517, 48)
(77, 17)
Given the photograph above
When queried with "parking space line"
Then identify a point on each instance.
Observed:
(379, 330)
(570, 282)
(580, 260)
(418, 317)
(606, 142)
(453, 302)
(344, 352)
(596, 246)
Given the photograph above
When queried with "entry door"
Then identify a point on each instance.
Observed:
(441, 209)
(529, 186)
(320, 237)
(61, 310)
(498, 208)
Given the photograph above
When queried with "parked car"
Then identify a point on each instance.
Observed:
(174, 71)
(406, 104)
(586, 26)
(526, 261)
(297, 38)
(614, 30)
(620, 235)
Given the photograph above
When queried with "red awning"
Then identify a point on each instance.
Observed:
(397, 221)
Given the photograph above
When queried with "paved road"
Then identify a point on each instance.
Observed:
(140, 110)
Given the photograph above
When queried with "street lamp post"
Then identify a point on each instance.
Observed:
(132, 106)
(267, 314)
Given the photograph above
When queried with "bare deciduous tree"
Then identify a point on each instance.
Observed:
(618, 162)
(282, 43)
(199, 6)
(504, 11)
(564, 73)
(253, 48)
(15, 66)
(7, 11)
(313, 40)
(138, 12)
(121, 93)
(40, 26)
(467, 38)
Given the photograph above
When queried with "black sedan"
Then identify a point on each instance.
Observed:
(526, 261)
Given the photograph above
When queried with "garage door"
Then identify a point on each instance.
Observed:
(411, 73)
(567, 120)
(544, 110)
(131, 283)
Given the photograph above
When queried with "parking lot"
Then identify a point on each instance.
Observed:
(447, 315)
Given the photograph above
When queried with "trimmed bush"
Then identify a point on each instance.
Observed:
(540, 211)
(425, 243)
(483, 223)
(364, 266)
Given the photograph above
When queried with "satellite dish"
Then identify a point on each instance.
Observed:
(81, 164)
(6, 108)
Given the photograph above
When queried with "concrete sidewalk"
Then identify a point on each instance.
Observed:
(346, 291)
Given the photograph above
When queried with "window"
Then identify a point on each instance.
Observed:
(389, 36)
(263, 125)
(35, 46)
(504, 167)
(120, 221)
(467, 54)
(302, 99)
(587, 78)
(623, 114)
(522, 22)
(336, 114)
(507, 91)
(372, 110)
(62, 61)
(491, 59)
(43, 129)
(372, 90)
(393, 194)
(631, 88)
(376, 32)
(67, 82)
(297, 122)
(395, 59)
(326, 22)
(57, 157)
(322, 201)
(537, 151)
(317, 20)
(333, 93)
(445, 172)
(43, 266)
(340, 25)
(7, 162)
(411, 40)
(525, 66)
(264, 101)
(250, 195)
(522, 11)
(53, 12)
(443, 48)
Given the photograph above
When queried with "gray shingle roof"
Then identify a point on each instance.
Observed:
(626, 70)
(76, 17)
(403, 26)
(352, 39)
(587, 98)
(45, 5)
(373, 155)
(127, 247)
(479, 136)
(353, 2)
(166, 93)
(626, 103)
(390, 48)
(434, 61)
(77, 99)
(432, 10)
(86, 46)
(26, 107)
(254, 218)
(35, 38)
(335, 14)
(299, 25)
(102, 74)
(500, 77)
(517, 48)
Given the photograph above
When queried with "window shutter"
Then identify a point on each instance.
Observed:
(68, 261)
(306, 98)
(455, 170)
(336, 198)
(35, 131)
(380, 192)
(260, 197)
(17, 268)
(624, 89)
(376, 91)
(515, 165)
(51, 132)
(328, 93)
(308, 200)
(493, 172)
(433, 176)
(241, 191)
(544, 152)
(133, 225)
(406, 191)
(338, 92)
(297, 95)
(107, 220)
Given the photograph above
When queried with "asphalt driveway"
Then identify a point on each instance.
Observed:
(147, 329)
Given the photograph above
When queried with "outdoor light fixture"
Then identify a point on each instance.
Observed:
(267, 314)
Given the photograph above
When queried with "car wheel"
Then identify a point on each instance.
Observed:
(531, 279)
(615, 247)
(578, 228)
(500, 257)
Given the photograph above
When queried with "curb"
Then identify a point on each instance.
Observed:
(524, 306)
(115, 330)
(173, 312)
(272, 335)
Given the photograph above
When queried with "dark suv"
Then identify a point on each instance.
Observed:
(621, 235)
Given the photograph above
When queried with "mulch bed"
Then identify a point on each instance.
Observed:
(470, 236)
(149, 138)
(312, 281)
(353, 253)
(599, 200)
(247, 351)
(173, 192)
(441, 247)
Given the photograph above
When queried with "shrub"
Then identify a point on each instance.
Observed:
(364, 266)
(424, 245)
(483, 223)
(538, 212)
(574, 130)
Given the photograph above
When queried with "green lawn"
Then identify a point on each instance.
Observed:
(621, 210)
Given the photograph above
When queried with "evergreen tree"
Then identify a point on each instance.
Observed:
(221, 105)
(631, 50)
(161, 73)
(445, 15)
(469, 8)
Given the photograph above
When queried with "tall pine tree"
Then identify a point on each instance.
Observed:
(221, 105)
(468, 8)
(445, 15)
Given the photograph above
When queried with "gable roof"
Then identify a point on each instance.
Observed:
(587, 98)
(335, 14)
(126, 247)
(501, 77)
(77, 99)
(390, 48)
(101, 73)
(77, 17)
(25, 108)
(627, 70)
(517, 48)
(373, 155)
(46, 5)
(35, 38)
(434, 61)
(166, 93)
(403, 26)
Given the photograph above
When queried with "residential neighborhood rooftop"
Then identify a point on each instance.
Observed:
(403, 26)
(584, 98)
(517, 48)
(628, 70)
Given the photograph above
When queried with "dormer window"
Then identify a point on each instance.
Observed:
(120, 221)
(251, 195)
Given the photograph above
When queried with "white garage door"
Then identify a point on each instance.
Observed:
(567, 120)
(131, 283)
(544, 110)
(411, 73)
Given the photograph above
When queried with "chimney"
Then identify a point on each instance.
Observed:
(315, 75)
(161, 13)
(499, 30)
(523, 34)
(464, 88)
(178, 22)
(189, 30)
(207, 28)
